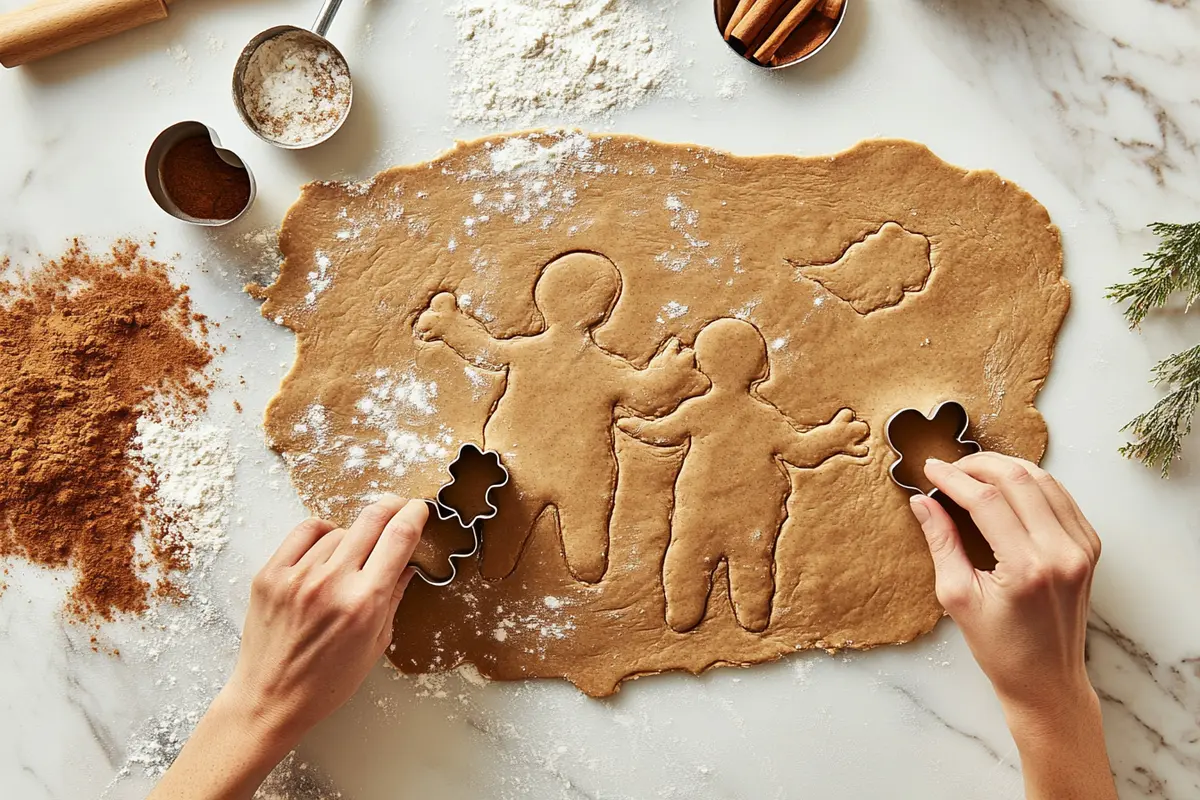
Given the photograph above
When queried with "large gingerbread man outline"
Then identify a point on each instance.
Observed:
(554, 422)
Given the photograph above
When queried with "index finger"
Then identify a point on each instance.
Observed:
(986, 503)
(299, 541)
(396, 544)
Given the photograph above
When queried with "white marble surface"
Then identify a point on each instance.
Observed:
(1092, 106)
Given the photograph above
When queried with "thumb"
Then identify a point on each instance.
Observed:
(385, 634)
(953, 572)
(398, 592)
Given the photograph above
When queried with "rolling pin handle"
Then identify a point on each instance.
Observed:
(53, 26)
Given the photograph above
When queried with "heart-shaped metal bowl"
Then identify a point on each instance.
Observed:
(154, 161)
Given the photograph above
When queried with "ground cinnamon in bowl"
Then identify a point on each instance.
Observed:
(201, 183)
(86, 343)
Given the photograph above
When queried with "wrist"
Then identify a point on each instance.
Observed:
(266, 730)
(1060, 716)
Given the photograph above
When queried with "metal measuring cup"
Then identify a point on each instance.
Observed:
(154, 177)
(319, 28)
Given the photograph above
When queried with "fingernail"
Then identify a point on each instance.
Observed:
(929, 461)
(917, 504)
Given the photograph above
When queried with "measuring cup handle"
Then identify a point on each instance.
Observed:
(325, 17)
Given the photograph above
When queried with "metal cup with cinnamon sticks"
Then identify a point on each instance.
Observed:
(774, 34)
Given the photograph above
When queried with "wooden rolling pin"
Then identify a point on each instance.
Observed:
(52, 26)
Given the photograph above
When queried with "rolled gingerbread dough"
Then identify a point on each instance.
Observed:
(686, 360)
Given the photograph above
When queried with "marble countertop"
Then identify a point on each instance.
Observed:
(1092, 106)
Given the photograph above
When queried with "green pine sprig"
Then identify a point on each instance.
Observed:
(1161, 430)
(1171, 269)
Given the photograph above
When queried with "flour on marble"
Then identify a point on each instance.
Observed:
(191, 469)
(521, 61)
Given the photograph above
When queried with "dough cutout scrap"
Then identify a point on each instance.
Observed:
(876, 272)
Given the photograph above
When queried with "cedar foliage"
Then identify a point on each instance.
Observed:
(1172, 269)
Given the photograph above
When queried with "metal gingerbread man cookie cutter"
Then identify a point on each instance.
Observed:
(950, 419)
(446, 508)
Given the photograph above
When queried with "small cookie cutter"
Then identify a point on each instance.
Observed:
(962, 423)
(447, 511)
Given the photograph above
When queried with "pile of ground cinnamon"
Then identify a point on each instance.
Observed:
(87, 342)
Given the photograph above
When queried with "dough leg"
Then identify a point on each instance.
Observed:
(505, 535)
(687, 578)
(583, 519)
(752, 583)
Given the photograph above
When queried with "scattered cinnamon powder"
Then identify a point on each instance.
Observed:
(86, 343)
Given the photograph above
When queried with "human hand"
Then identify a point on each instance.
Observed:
(437, 319)
(321, 614)
(1025, 622)
(320, 617)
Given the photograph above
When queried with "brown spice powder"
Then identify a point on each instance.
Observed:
(201, 183)
(86, 343)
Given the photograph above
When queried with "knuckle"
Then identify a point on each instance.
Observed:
(303, 591)
(1037, 578)
(986, 495)
(1075, 568)
(356, 608)
(263, 585)
(1016, 473)
(377, 514)
(405, 532)
(954, 597)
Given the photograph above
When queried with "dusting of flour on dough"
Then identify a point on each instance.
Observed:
(320, 279)
(394, 404)
(672, 310)
(535, 169)
(685, 221)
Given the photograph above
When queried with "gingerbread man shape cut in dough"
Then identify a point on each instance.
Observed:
(554, 422)
(738, 445)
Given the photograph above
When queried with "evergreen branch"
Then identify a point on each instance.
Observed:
(1161, 430)
(1173, 267)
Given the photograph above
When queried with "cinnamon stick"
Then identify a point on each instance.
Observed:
(808, 37)
(831, 9)
(739, 14)
(779, 35)
(757, 18)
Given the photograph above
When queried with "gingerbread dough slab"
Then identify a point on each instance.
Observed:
(686, 359)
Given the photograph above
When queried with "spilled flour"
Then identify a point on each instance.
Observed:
(192, 468)
(520, 61)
